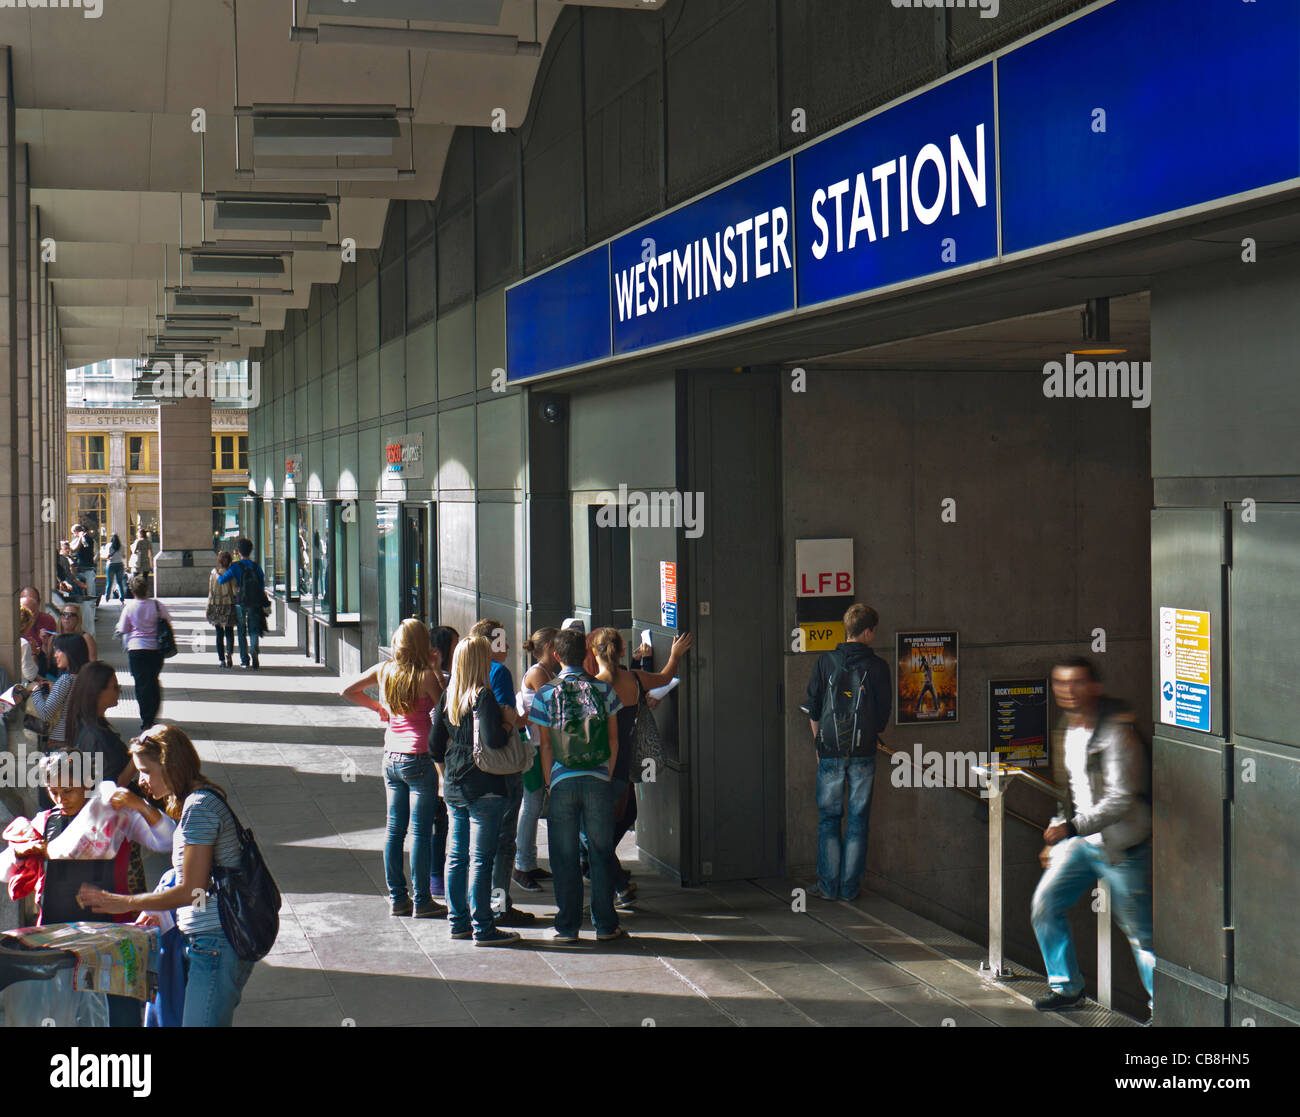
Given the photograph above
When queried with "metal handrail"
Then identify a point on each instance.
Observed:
(996, 966)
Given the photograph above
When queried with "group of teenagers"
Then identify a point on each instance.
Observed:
(445, 701)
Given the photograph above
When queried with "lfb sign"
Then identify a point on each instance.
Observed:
(823, 567)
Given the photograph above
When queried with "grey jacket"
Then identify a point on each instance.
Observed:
(1118, 776)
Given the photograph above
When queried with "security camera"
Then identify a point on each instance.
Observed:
(553, 411)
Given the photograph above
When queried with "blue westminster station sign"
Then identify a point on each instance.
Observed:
(1100, 124)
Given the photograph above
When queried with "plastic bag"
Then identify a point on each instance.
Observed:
(95, 834)
(52, 1004)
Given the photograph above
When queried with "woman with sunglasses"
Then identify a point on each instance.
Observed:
(70, 624)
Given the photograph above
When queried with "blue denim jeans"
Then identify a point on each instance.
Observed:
(842, 861)
(1075, 867)
(412, 786)
(215, 977)
(582, 802)
(250, 632)
(471, 852)
(506, 843)
(116, 576)
(530, 812)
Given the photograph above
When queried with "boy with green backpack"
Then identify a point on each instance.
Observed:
(575, 715)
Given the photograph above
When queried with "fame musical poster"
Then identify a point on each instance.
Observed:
(927, 678)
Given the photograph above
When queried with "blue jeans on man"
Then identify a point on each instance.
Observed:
(412, 786)
(215, 977)
(1075, 867)
(842, 860)
(471, 853)
(250, 631)
(582, 803)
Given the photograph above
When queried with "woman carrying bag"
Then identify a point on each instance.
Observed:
(138, 627)
(207, 844)
(221, 609)
(476, 800)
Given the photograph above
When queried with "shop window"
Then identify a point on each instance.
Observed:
(275, 564)
(389, 517)
(346, 572)
(86, 453)
(89, 507)
(142, 510)
(225, 517)
(292, 550)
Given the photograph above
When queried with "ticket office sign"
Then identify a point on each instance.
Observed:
(1185, 668)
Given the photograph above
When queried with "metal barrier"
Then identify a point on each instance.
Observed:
(996, 966)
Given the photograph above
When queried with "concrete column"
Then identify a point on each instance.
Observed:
(28, 431)
(184, 497)
(11, 465)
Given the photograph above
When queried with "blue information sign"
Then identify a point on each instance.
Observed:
(725, 259)
(907, 193)
(560, 318)
(1145, 107)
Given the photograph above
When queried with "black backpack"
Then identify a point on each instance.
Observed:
(252, 594)
(841, 724)
(248, 900)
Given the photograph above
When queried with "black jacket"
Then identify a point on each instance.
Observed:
(853, 655)
(452, 746)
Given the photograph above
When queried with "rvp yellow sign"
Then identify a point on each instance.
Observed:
(821, 636)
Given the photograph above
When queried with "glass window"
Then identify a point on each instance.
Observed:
(89, 507)
(390, 570)
(225, 517)
(318, 518)
(229, 453)
(293, 548)
(275, 533)
(86, 453)
(347, 561)
(141, 453)
(142, 509)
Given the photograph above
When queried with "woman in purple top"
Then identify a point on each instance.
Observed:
(138, 628)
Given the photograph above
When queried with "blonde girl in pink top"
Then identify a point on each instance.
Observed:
(410, 687)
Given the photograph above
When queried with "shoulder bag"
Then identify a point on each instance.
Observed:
(646, 743)
(515, 756)
(166, 637)
(248, 899)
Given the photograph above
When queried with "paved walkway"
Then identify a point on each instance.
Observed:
(303, 770)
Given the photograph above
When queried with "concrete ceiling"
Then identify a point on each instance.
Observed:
(106, 107)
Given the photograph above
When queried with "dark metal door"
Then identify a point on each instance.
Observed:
(734, 607)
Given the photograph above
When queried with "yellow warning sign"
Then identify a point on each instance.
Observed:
(1192, 646)
(821, 636)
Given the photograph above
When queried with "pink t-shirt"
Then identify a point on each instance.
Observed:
(409, 732)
